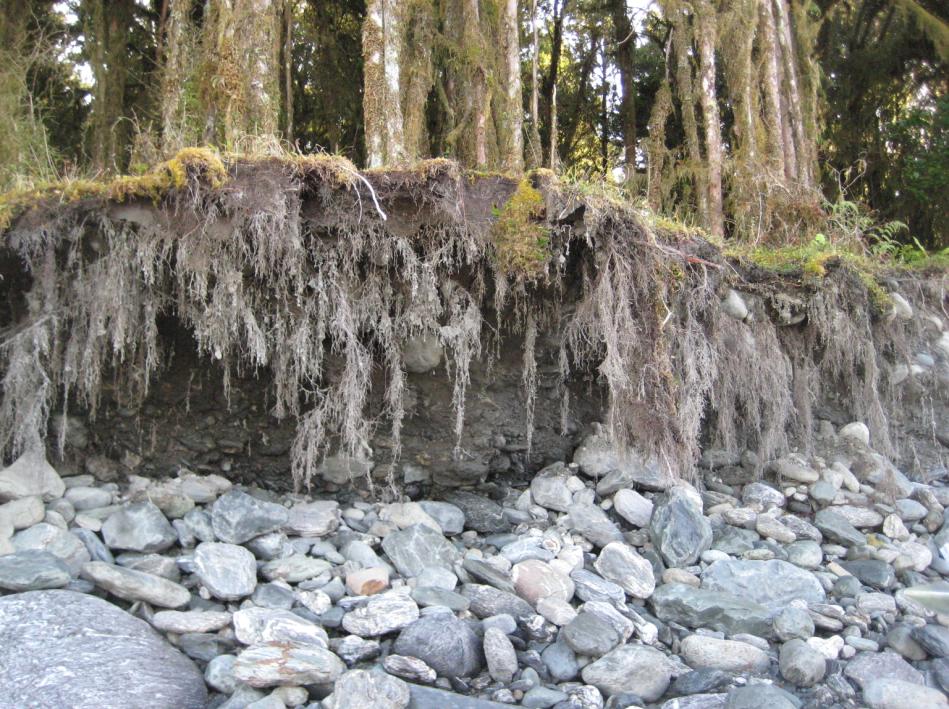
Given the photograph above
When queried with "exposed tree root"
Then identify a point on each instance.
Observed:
(290, 267)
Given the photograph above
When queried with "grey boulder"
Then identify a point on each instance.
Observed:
(32, 571)
(679, 530)
(773, 584)
(139, 527)
(446, 644)
(66, 649)
(237, 517)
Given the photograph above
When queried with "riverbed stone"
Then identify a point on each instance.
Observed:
(445, 643)
(382, 614)
(67, 649)
(237, 517)
(275, 664)
(678, 528)
(141, 527)
(639, 669)
(703, 608)
(134, 585)
(773, 584)
(228, 571)
(30, 475)
(415, 548)
(32, 570)
(620, 563)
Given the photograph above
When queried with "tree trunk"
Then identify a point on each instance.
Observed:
(625, 39)
(176, 75)
(535, 151)
(793, 93)
(417, 78)
(242, 72)
(382, 48)
(108, 35)
(286, 63)
(706, 31)
(682, 45)
(550, 84)
(511, 123)
(771, 84)
(476, 99)
(604, 115)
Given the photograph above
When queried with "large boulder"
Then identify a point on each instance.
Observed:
(679, 530)
(67, 649)
(773, 584)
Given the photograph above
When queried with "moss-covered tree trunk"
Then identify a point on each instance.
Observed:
(178, 100)
(708, 97)
(510, 120)
(382, 106)
(241, 73)
(771, 88)
(684, 77)
(793, 94)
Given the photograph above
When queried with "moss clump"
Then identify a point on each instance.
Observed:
(189, 164)
(521, 240)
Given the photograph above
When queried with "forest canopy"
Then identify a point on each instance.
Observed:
(757, 120)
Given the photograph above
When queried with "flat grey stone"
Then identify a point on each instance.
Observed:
(549, 488)
(621, 564)
(869, 666)
(32, 571)
(449, 516)
(58, 542)
(432, 698)
(588, 634)
(313, 519)
(773, 584)
(359, 689)
(443, 642)
(237, 517)
(702, 608)
(837, 529)
(481, 514)
(272, 625)
(487, 601)
(934, 638)
(382, 614)
(66, 649)
(591, 521)
(30, 475)
(275, 664)
(872, 572)
(134, 585)
(414, 548)
(761, 696)
(896, 694)
(139, 527)
(639, 669)
(800, 664)
(499, 655)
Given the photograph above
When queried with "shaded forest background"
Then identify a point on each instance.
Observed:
(756, 119)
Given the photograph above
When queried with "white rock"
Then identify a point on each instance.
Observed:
(22, 513)
(633, 507)
(30, 475)
(701, 651)
(828, 647)
(856, 431)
